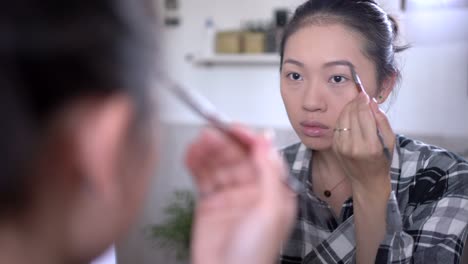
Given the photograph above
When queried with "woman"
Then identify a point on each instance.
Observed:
(78, 142)
(364, 207)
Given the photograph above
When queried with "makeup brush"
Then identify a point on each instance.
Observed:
(208, 112)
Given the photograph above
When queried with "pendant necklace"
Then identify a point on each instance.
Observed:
(328, 192)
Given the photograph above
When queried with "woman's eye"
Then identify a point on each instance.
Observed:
(338, 79)
(295, 76)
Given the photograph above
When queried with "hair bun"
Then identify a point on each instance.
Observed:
(367, 1)
(396, 32)
(394, 25)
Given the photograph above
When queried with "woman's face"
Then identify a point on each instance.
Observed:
(316, 86)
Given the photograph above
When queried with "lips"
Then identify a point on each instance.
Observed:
(314, 129)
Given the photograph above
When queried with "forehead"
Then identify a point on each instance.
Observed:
(313, 44)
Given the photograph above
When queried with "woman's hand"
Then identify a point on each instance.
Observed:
(362, 157)
(359, 149)
(244, 210)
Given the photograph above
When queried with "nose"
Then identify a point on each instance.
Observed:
(314, 98)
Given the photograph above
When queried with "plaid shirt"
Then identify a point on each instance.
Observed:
(427, 212)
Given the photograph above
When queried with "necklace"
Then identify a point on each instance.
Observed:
(328, 192)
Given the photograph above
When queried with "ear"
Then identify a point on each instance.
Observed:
(100, 128)
(387, 88)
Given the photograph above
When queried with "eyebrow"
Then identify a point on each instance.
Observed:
(326, 65)
(339, 63)
(295, 62)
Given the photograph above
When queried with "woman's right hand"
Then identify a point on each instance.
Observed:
(244, 210)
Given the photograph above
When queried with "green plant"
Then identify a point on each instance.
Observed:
(175, 232)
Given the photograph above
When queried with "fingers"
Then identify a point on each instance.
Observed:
(206, 154)
(242, 134)
(260, 202)
(236, 199)
(357, 116)
(363, 117)
(343, 142)
(216, 159)
(270, 168)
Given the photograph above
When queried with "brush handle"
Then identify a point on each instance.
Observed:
(386, 151)
(292, 182)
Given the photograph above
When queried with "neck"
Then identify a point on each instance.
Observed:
(23, 244)
(38, 236)
(326, 163)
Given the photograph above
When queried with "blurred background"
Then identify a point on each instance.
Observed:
(226, 50)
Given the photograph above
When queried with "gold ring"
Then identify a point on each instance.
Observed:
(341, 129)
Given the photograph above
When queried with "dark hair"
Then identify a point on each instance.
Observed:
(51, 53)
(364, 16)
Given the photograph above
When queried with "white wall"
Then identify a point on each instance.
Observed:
(433, 98)
(434, 92)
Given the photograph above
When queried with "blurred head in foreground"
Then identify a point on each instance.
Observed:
(77, 135)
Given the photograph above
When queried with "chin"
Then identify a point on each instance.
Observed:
(318, 144)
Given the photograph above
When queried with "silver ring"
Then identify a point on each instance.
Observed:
(341, 129)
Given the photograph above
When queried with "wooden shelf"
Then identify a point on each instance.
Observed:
(238, 59)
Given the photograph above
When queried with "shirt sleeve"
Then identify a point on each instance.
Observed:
(436, 228)
(438, 240)
(397, 245)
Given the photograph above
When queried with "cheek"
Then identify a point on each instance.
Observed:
(141, 165)
(144, 172)
(292, 97)
(342, 94)
(337, 102)
(291, 103)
